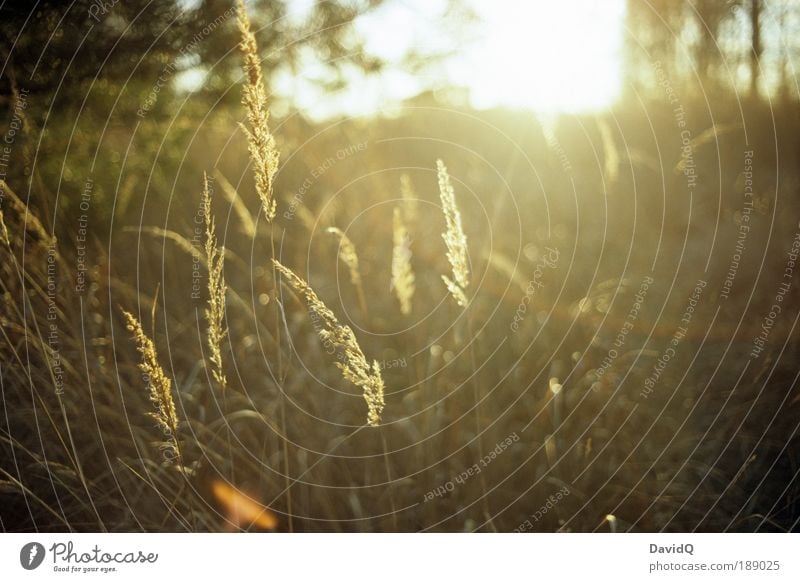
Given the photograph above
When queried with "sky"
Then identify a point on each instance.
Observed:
(546, 56)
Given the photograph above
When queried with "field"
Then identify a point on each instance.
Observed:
(443, 319)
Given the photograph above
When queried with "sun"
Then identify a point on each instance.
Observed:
(545, 55)
(548, 56)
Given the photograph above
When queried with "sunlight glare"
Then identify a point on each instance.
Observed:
(544, 55)
(547, 56)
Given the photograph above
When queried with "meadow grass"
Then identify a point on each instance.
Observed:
(275, 437)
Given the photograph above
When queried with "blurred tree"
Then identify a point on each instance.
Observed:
(98, 74)
(778, 46)
(710, 16)
(322, 32)
(756, 7)
(711, 39)
(653, 31)
(663, 20)
(46, 43)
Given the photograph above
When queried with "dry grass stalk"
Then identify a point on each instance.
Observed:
(306, 217)
(348, 256)
(180, 241)
(402, 273)
(409, 198)
(610, 152)
(159, 384)
(233, 198)
(354, 366)
(31, 223)
(4, 230)
(454, 238)
(261, 142)
(506, 267)
(215, 311)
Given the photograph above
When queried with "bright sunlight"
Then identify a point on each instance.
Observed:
(543, 55)
(549, 57)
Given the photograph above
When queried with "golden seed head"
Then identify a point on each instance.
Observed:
(374, 396)
(160, 385)
(402, 273)
(215, 309)
(261, 143)
(354, 365)
(456, 291)
(454, 237)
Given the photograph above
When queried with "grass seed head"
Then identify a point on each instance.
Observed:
(160, 385)
(454, 238)
(261, 143)
(354, 365)
(402, 273)
(215, 309)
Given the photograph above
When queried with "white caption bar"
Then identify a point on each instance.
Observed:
(389, 557)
